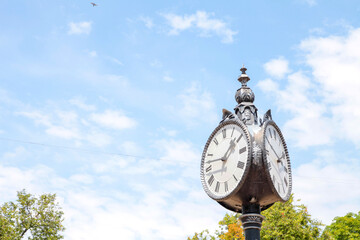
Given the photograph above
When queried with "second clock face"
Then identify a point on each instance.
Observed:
(277, 160)
(225, 159)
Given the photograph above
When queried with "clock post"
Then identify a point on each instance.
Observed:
(251, 220)
(245, 164)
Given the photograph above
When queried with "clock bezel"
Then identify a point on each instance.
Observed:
(247, 165)
(265, 160)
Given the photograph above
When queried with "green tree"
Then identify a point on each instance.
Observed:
(41, 216)
(283, 221)
(346, 227)
(289, 221)
(204, 235)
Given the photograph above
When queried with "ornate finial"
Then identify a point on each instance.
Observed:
(245, 97)
(243, 78)
(244, 94)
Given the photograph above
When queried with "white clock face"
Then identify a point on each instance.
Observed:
(225, 159)
(277, 160)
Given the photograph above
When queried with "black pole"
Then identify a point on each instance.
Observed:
(251, 220)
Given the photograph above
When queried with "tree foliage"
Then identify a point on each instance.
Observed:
(289, 221)
(40, 216)
(346, 227)
(230, 228)
(283, 221)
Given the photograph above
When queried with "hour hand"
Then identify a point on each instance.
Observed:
(214, 160)
(282, 156)
(232, 145)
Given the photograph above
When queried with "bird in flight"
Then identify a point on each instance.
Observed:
(94, 4)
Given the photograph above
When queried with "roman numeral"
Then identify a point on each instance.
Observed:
(232, 131)
(217, 187)
(237, 140)
(274, 134)
(211, 180)
(242, 150)
(210, 154)
(285, 181)
(269, 166)
(224, 132)
(279, 189)
(273, 179)
(267, 152)
(216, 141)
(235, 177)
(226, 187)
(270, 133)
(208, 168)
(240, 164)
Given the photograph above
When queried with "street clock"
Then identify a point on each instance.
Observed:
(245, 161)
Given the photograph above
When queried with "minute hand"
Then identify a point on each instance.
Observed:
(272, 148)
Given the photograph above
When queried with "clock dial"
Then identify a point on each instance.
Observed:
(225, 160)
(276, 160)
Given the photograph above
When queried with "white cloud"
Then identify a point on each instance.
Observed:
(147, 21)
(335, 66)
(131, 148)
(327, 178)
(79, 102)
(82, 178)
(98, 138)
(93, 54)
(161, 206)
(169, 132)
(167, 78)
(79, 28)
(38, 117)
(116, 80)
(14, 179)
(117, 61)
(64, 126)
(15, 154)
(156, 63)
(308, 125)
(202, 21)
(194, 104)
(324, 105)
(113, 119)
(277, 67)
(178, 152)
(62, 132)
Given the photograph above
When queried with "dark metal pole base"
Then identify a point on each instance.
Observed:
(251, 220)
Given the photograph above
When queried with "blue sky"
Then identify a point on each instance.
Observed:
(111, 106)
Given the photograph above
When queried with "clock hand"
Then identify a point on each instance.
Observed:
(272, 148)
(279, 174)
(232, 145)
(220, 170)
(278, 160)
(214, 160)
(276, 169)
(224, 158)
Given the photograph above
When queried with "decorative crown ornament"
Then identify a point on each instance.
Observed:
(246, 110)
(244, 94)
